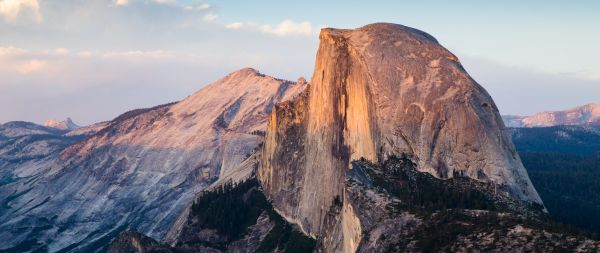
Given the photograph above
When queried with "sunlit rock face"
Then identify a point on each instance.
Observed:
(585, 115)
(141, 169)
(66, 124)
(378, 91)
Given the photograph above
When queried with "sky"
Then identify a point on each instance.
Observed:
(92, 60)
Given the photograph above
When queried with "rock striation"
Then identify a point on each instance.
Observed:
(380, 91)
(140, 170)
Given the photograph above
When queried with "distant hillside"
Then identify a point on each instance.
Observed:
(557, 139)
(563, 163)
(585, 115)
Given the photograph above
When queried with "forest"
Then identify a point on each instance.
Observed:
(563, 163)
(569, 185)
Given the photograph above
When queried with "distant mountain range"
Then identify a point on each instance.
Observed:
(585, 115)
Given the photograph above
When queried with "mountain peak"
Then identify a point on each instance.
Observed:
(301, 81)
(66, 124)
(385, 31)
(246, 72)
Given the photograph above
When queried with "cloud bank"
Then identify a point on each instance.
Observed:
(11, 10)
(285, 28)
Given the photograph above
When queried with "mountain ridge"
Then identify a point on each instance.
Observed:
(146, 164)
(584, 115)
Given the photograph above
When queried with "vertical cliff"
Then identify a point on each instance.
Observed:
(378, 91)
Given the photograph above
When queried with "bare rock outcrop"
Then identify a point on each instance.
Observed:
(140, 170)
(379, 91)
(66, 124)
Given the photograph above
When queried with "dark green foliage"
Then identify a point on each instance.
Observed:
(569, 185)
(448, 209)
(557, 139)
(418, 190)
(563, 163)
(447, 225)
(285, 237)
(231, 208)
(258, 132)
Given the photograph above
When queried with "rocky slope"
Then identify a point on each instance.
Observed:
(585, 115)
(379, 91)
(140, 170)
(399, 209)
(229, 218)
(22, 141)
(23, 144)
(403, 210)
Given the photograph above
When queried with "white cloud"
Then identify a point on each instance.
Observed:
(585, 75)
(235, 25)
(13, 59)
(209, 17)
(120, 2)
(61, 50)
(10, 10)
(201, 6)
(22, 61)
(30, 66)
(288, 27)
(185, 6)
(11, 51)
(138, 54)
(87, 53)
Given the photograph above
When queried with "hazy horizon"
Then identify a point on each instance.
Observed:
(93, 60)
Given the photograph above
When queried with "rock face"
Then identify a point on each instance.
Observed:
(66, 124)
(140, 170)
(379, 91)
(585, 115)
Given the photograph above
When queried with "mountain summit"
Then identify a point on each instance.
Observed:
(378, 92)
(140, 169)
(585, 115)
(66, 124)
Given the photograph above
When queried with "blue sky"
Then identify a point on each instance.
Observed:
(92, 60)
